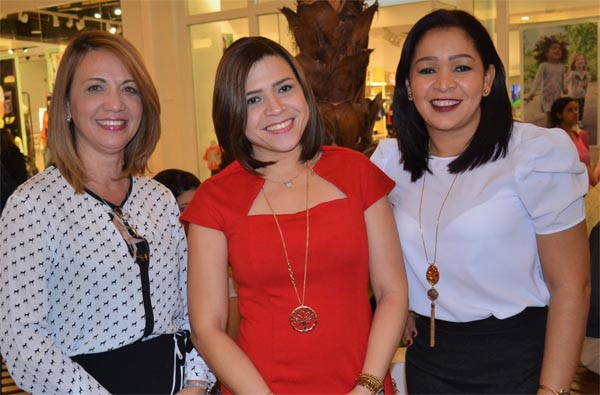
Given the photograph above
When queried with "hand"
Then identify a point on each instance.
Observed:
(410, 330)
(359, 390)
(191, 390)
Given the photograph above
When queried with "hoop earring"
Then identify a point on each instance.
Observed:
(69, 118)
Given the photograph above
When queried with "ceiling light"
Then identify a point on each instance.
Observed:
(524, 18)
(24, 18)
(117, 11)
(80, 24)
(25, 50)
(69, 23)
(11, 51)
(55, 21)
(112, 30)
(97, 15)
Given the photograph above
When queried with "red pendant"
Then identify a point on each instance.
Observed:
(433, 274)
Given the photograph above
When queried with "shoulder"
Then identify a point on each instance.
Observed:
(342, 159)
(536, 140)
(352, 171)
(225, 186)
(387, 152)
(150, 185)
(49, 182)
(541, 150)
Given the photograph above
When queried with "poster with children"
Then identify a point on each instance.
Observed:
(561, 60)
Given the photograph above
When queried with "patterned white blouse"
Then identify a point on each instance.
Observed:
(69, 286)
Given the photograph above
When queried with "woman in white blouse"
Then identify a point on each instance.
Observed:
(490, 216)
(93, 269)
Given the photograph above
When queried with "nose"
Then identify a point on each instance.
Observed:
(114, 100)
(275, 105)
(444, 80)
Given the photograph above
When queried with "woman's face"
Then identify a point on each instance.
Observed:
(105, 104)
(447, 82)
(569, 115)
(185, 198)
(277, 110)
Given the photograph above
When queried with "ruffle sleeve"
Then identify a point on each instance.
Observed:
(550, 179)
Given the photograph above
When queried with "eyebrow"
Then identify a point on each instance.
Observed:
(100, 79)
(453, 57)
(276, 83)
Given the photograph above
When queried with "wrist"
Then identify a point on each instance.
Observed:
(554, 391)
(372, 383)
(196, 384)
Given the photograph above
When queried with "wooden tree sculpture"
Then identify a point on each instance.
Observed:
(332, 37)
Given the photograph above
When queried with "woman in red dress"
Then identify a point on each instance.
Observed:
(306, 229)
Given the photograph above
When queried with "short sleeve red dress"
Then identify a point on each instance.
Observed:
(327, 359)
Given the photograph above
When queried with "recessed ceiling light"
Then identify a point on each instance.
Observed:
(97, 15)
(525, 18)
(117, 11)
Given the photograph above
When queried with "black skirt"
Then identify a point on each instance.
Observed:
(489, 356)
(154, 366)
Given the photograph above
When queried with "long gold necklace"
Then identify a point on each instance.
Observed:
(303, 318)
(432, 274)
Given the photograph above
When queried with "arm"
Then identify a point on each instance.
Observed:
(35, 361)
(566, 266)
(208, 309)
(388, 280)
(198, 377)
(537, 83)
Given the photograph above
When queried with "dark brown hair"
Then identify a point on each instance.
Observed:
(229, 101)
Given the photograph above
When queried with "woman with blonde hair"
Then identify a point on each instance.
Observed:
(93, 283)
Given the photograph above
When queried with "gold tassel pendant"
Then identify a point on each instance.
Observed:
(432, 326)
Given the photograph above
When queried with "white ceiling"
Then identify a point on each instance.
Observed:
(397, 18)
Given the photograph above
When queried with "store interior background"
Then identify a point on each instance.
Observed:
(182, 42)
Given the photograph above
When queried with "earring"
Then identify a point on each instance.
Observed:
(410, 96)
(486, 91)
(69, 118)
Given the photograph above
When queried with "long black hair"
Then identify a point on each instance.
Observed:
(490, 140)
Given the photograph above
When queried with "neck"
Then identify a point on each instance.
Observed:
(446, 146)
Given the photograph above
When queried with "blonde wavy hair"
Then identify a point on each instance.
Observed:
(62, 137)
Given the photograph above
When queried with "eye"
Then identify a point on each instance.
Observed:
(252, 100)
(131, 90)
(463, 68)
(285, 88)
(426, 70)
(94, 88)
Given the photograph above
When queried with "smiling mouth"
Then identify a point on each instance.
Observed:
(111, 122)
(279, 126)
(445, 102)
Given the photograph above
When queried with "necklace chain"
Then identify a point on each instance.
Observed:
(289, 183)
(432, 275)
(303, 318)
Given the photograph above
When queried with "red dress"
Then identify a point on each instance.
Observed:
(327, 359)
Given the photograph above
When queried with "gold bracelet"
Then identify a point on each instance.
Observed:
(370, 382)
(559, 392)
